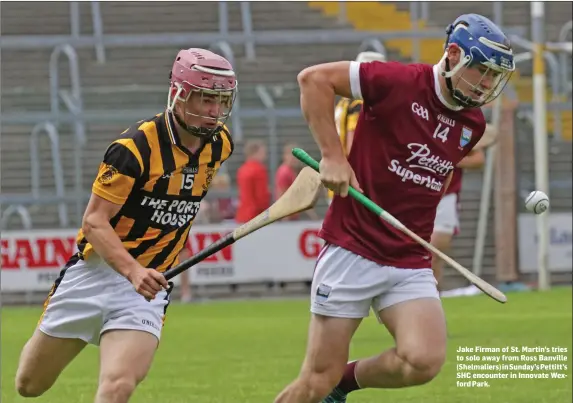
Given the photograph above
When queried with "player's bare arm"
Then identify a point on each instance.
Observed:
(489, 137)
(363, 57)
(106, 243)
(318, 87)
(100, 234)
(349, 140)
(447, 182)
(474, 160)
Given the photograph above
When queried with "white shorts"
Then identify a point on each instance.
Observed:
(90, 298)
(346, 285)
(447, 218)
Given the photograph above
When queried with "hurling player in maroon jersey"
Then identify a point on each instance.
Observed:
(417, 123)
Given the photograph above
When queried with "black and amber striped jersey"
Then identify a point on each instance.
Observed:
(159, 184)
(346, 115)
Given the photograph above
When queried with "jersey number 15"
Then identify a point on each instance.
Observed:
(187, 181)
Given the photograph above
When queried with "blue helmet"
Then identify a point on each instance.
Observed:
(482, 44)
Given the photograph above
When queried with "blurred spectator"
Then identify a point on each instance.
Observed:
(253, 183)
(287, 171)
(285, 176)
(224, 204)
(204, 214)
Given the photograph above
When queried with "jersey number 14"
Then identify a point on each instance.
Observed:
(441, 133)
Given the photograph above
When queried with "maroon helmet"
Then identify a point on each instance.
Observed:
(213, 78)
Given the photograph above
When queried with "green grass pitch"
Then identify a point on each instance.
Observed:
(230, 352)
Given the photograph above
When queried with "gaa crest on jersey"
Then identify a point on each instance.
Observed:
(466, 137)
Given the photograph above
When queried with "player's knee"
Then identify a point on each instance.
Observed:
(423, 365)
(28, 387)
(121, 387)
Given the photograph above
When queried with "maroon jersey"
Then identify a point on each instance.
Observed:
(407, 141)
(456, 183)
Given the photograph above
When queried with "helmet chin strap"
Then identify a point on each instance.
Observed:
(196, 131)
(458, 96)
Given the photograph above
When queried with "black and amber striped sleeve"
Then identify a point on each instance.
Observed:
(353, 114)
(121, 167)
(228, 145)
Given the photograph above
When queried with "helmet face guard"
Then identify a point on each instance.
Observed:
(483, 46)
(206, 87)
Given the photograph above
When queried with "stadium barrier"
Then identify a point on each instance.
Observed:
(560, 248)
(281, 253)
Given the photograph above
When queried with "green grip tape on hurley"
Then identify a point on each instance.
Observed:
(362, 199)
(307, 159)
(311, 162)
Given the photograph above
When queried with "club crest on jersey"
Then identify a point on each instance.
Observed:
(466, 137)
(107, 175)
(209, 173)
